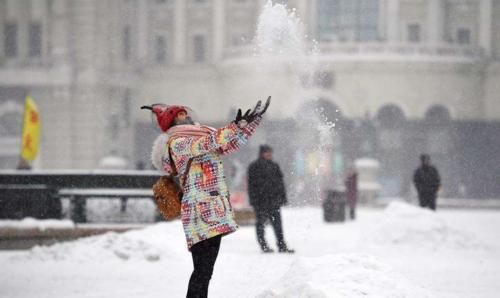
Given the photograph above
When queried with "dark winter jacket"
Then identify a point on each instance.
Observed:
(266, 188)
(426, 179)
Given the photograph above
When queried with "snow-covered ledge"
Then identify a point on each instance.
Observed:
(40, 224)
(444, 52)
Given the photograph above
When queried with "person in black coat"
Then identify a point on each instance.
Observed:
(427, 182)
(267, 194)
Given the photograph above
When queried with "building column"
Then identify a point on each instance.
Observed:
(313, 17)
(485, 25)
(14, 9)
(435, 21)
(218, 29)
(180, 31)
(142, 31)
(382, 20)
(301, 6)
(393, 21)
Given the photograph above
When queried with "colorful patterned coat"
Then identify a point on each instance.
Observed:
(206, 210)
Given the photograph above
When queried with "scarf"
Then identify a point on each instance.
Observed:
(159, 158)
(188, 130)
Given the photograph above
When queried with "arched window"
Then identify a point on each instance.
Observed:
(390, 115)
(437, 114)
(439, 139)
(323, 108)
(391, 119)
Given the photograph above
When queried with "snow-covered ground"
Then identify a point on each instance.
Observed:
(401, 251)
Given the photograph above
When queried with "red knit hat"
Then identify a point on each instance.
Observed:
(165, 115)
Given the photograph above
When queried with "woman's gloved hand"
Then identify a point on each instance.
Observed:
(251, 115)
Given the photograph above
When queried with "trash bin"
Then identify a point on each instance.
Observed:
(334, 206)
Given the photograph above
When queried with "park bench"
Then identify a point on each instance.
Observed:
(78, 198)
(38, 193)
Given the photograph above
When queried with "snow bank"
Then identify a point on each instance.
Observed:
(405, 224)
(150, 244)
(346, 275)
(40, 224)
(105, 247)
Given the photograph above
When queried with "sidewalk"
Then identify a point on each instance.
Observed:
(459, 203)
(468, 203)
(25, 238)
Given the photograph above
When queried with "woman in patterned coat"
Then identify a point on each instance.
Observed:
(206, 211)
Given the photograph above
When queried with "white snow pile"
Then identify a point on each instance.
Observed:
(40, 224)
(405, 224)
(146, 244)
(344, 275)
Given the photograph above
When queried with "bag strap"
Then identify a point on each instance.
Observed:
(172, 165)
(188, 166)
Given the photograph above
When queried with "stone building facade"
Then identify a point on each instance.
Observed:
(90, 64)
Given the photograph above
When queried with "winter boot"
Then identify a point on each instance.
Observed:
(282, 247)
(286, 250)
(267, 249)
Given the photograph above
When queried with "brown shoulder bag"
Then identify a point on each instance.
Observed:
(167, 192)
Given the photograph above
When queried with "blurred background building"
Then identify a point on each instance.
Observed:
(399, 77)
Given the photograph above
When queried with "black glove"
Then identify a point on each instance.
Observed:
(239, 117)
(250, 115)
(268, 102)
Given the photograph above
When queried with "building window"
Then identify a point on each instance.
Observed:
(348, 20)
(323, 108)
(126, 43)
(10, 39)
(413, 32)
(463, 36)
(160, 49)
(391, 116)
(437, 114)
(199, 48)
(35, 40)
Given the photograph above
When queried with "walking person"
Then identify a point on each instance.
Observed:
(427, 182)
(351, 191)
(267, 193)
(196, 150)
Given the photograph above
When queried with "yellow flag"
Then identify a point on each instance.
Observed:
(31, 131)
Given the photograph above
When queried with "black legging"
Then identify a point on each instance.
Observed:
(274, 215)
(204, 254)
